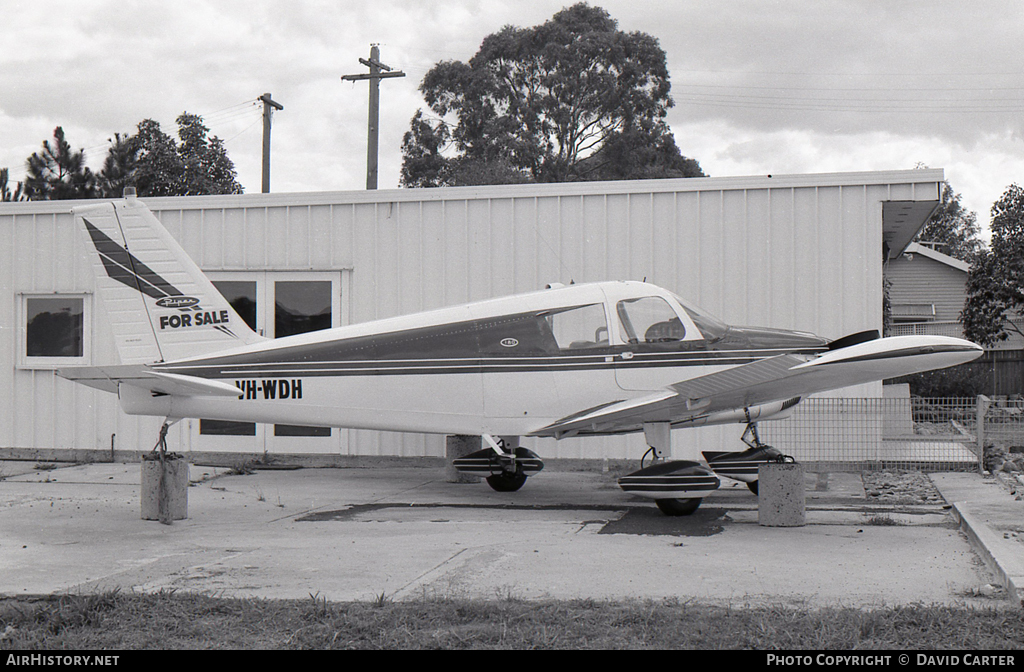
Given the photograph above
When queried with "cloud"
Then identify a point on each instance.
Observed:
(934, 68)
(760, 87)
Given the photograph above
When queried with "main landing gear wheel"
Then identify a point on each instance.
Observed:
(676, 486)
(507, 482)
(678, 507)
(506, 467)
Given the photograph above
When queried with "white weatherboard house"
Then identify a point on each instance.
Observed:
(790, 251)
(928, 292)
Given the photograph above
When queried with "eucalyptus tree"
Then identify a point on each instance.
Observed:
(995, 285)
(953, 227)
(5, 190)
(572, 99)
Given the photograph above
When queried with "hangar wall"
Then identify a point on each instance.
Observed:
(797, 252)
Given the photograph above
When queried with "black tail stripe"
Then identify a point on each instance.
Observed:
(119, 264)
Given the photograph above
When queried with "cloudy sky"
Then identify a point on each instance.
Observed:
(760, 86)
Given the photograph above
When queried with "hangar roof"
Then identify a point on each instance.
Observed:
(916, 195)
(901, 220)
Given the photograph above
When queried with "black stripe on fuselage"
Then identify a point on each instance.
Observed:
(454, 366)
(479, 346)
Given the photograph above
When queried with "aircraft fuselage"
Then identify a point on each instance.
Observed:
(502, 367)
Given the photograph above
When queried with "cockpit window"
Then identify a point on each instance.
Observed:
(710, 326)
(649, 319)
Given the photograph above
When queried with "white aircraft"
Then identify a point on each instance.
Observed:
(578, 360)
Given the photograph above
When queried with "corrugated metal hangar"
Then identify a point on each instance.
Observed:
(790, 251)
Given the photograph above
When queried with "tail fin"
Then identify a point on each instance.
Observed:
(160, 305)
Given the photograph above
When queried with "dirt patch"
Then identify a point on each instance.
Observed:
(900, 487)
(705, 522)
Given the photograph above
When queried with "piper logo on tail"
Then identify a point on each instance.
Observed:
(177, 302)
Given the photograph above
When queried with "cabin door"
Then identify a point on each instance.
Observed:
(659, 344)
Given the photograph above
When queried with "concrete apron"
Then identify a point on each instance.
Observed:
(354, 534)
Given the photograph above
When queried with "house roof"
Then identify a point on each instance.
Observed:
(924, 251)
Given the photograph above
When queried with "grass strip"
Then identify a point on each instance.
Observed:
(168, 620)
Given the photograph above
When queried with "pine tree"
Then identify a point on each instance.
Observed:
(58, 173)
(6, 194)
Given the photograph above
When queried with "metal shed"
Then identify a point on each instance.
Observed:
(790, 251)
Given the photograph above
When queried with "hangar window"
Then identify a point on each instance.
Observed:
(54, 330)
(580, 327)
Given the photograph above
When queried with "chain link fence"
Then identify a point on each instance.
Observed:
(905, 433)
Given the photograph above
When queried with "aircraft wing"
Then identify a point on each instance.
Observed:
(107, 378)
(699, 400)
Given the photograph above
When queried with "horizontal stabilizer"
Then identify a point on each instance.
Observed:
(189, 385)
(107, 378)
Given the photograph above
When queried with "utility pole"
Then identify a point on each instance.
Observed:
(375, 75)
(268, 107)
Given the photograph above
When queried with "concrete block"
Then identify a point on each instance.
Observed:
(164, 488)
(459, 446)
(780, 495)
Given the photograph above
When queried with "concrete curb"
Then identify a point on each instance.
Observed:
(310, 461)
(1000, 555)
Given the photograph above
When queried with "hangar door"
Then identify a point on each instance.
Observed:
(276, 304)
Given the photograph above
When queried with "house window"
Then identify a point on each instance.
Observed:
(913, 312)
(54, 330)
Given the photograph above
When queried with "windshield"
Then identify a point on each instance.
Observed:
(710, 326)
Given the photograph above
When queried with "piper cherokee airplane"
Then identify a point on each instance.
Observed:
(578, 360)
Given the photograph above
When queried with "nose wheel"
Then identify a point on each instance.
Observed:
(744, 466)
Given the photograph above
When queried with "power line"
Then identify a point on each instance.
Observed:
(851, 100)
(857, 74)
(243, 131)
(222, 117)
(865, 88)
(837, 105)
